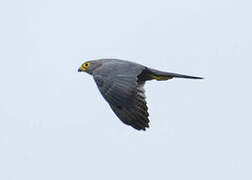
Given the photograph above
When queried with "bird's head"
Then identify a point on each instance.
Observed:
(89, 67)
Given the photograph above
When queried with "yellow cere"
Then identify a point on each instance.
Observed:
(84, 66)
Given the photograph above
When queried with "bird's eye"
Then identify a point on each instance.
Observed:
(85, 65)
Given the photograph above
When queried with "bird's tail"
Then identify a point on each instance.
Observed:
(161, 76)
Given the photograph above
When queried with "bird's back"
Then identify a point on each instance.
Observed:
(111, 67)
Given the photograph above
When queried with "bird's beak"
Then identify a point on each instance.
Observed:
(80, 70)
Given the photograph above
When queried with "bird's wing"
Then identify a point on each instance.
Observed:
(137, 115)
(124, 94)
(161, 75)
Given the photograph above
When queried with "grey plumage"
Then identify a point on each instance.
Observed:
(121, 83)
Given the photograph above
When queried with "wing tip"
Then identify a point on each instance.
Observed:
(187, 77)
(194, 77)
(142, 128)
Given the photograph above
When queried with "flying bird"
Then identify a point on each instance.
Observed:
(121, 83)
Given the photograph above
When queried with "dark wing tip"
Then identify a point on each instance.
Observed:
(140, 127)
(194, 77)
(185, 76)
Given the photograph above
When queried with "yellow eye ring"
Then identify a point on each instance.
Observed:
(85, 66)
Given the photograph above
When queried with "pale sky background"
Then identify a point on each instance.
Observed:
(54, 124)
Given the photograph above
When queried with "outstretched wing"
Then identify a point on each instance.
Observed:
(119, 86)
(137, 115)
